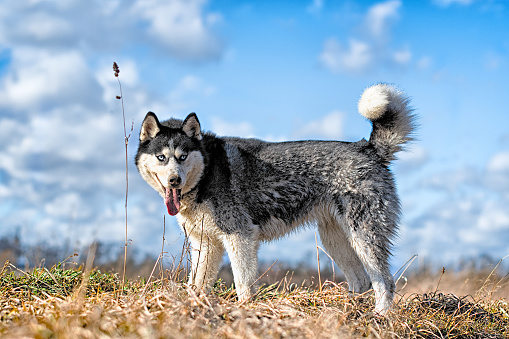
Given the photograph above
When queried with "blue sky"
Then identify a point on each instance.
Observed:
(276, 70)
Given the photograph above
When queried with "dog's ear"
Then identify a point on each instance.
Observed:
(150, 127)
(191, 126)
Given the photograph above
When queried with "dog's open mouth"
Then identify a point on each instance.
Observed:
(172, 201)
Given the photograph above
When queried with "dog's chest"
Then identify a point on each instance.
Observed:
(197, 219)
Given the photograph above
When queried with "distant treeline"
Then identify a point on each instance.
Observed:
(109, 257)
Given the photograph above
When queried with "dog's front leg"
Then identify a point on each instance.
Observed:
(206, 257)
(242, 250)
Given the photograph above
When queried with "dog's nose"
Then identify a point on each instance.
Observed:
(174, 180)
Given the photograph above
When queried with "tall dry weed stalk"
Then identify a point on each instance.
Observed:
(120, 97)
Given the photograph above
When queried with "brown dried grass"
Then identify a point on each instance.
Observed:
(167, 308)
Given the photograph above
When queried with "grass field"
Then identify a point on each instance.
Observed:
(81, 303)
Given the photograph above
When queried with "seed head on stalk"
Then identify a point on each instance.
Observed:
(116, 71)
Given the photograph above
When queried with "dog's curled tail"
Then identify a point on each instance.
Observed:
(392, 118)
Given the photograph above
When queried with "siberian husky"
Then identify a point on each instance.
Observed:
(232, 193)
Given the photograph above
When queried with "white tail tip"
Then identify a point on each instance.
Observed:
(375, 101)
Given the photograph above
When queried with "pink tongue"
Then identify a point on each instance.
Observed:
(172, 201)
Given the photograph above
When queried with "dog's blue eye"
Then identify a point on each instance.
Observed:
(161, 157)
(183, 157)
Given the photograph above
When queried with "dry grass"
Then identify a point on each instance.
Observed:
(71, 304)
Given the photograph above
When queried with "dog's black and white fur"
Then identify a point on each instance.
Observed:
(231, 193)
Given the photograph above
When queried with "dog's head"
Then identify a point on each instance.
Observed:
(169, 157)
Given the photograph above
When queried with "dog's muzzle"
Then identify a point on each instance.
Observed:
(174, 181)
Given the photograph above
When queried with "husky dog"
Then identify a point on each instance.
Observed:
(231, 193)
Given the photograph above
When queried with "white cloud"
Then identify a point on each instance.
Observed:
(372, 49)
(67, 205)
(424, 63)
(191, 83)
(329, 127)
(413, 157)
(493, 217)
(40, 78)
(182, 27)
(451, 181)
(128, 76)
(357, 57)
(459, 227)
(470, 215)
(380, 16)
(497, 173)
(403, 56)
(12, 129)
(54, 147)
(499, 163)
(44, 27)
(59, 24)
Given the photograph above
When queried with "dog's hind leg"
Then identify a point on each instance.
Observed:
(375, 263)
(370, 227)
(206, 258)
(242, 250)
(337, 245)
